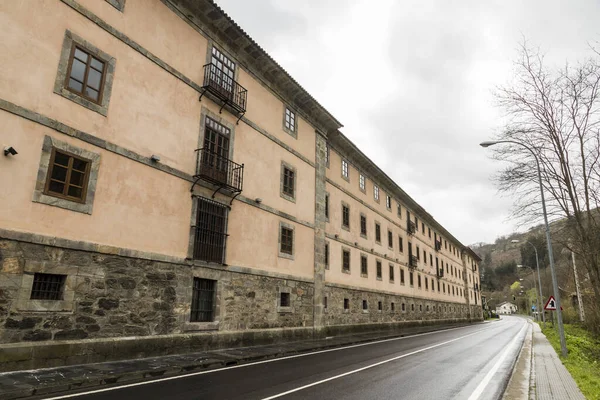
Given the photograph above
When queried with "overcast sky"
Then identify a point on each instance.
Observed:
(412, 83)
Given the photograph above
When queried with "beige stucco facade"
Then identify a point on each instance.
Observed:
(130, 245)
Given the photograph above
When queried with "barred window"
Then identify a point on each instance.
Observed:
(48, 287)
(210, 231)
(203, 296)
(284, 299)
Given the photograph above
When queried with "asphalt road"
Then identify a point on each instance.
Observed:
(473, 362)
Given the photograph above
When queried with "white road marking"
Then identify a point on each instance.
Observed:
(68, 396)
(367, 367)
(486, 380)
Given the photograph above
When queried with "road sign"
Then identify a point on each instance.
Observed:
(551, 304)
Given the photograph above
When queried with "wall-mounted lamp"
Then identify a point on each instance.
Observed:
(10, 150)
(155, 158)
(258, 200)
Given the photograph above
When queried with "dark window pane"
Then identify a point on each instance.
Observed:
(59, 173)
(79, 165)
(56, 187)
(94, 78)
(78, 70)
(91, 93)
(75, 192)
(73, 84)
(99, 65)
(81, 55)
(61, 159)
(76, 178)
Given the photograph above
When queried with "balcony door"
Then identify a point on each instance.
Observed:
(222, 73)
(215, 153)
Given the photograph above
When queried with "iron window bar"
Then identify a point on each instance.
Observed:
(220, 171)
(202, 300)
(210, 231)
(225, 88)
(438, 245)
(48, 287)
(413, 261)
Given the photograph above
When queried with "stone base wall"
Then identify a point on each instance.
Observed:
(117, 307)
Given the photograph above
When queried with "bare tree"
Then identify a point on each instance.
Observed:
(556, 112)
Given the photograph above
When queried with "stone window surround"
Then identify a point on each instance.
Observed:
(203, 273)
(42, 176)
(362, 182)
(280, 253)
(193, 218)
(280, 308)
(66, 305)
(118, 4)
(346, 227)
(347, 165)
(209, 48)
(293, 133)
(63, 67)
(220, 119)
(346, 301)
(348, 271)
(364, 235)
(365, 306)
(366, 257)
(281, 175)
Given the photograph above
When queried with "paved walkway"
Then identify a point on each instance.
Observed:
(552, 380)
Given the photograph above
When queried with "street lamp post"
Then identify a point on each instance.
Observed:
(537, 264)
(561, 330)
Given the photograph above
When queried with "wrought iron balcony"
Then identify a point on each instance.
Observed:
(219, 171)
(438, 245)
(412, 261)
(225, 88)
(411, 228)
(440, 272)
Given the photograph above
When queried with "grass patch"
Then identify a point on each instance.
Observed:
(583, 361)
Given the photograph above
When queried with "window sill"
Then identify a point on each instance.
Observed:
(379, 278)
(364, 275)
(284, 310)
(201, 326)
(346, 228)
(365, 311)
(346, 271)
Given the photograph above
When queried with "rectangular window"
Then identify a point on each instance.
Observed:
(390, 240)
(379, 272)
(361, 182)
(48, 287)
(289, 177)
(418, 253)
(377, 232)
(388, 202)
(325, 302)
(345, 216)
(290, 120)
(399, 210)
(345, 169)
(68, 176)
(363, 265)
(429, 232)
(363, 225)
(423, 227)
(400, 244)
(286, 240)
(419, 280)
(86, 75)
(327, 151)
(431, 259)
(326, 255)
(411, 278)
(424, 256)
(365, 305)
(346, 304)
(392, 306)
(327, 205)
(402, 276)
(284, 299)
(426, 283)
(210, 231)
(379, 305)
(214, 157)
(376, 192)
(391, 273)
(222, 71)
(346, 260)
(203, 296)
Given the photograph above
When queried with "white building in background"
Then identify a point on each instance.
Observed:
(506, 308)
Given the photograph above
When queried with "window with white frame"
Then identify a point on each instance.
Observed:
(376, 192)
(388, 202)
(361, 182)
(345, 169)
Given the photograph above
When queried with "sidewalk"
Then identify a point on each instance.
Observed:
(20, 384)
(552, 380)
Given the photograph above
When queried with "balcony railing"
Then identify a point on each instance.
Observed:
(223, 86)
(411, 228)
(219, 170)
(438, 245)
(412, 261)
